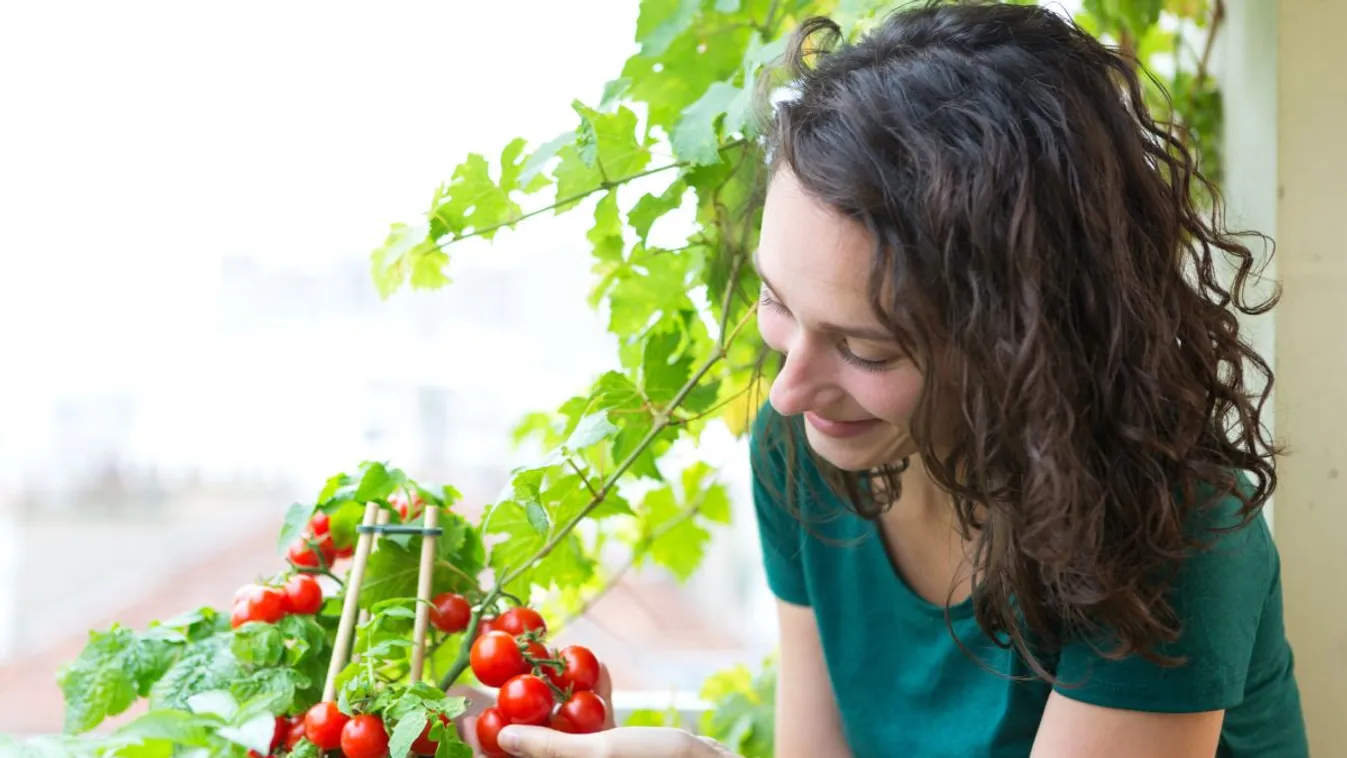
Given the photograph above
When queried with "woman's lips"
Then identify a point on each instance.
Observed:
(839, 429)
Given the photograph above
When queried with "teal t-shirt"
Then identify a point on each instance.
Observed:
(904, 687)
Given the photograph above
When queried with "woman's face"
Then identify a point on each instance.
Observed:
(843, 370)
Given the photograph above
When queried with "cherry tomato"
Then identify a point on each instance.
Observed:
(302, 554)
(294, 732)
(239, 615)
(581, 669)
(450, 613)
(495, 657)
(320, 524)
(346, 552)
(585, 711)
(278, 734)
(303, 595)
(560, 723)
(488, 624)
(489, 724)
(519, 620)
(424, 745)
(406, 510)
(323, 725)
(265, 604)
(364, 737)
(525, 699)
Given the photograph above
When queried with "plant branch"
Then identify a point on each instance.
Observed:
(603, 186)
(576, 467)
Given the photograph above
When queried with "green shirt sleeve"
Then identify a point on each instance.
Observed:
(778, 530)
(1221, 596)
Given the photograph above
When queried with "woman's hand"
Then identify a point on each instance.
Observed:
(623, 742)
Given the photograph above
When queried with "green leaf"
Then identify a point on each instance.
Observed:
(407, 253)
(728, 6)
(565, 564)
(405, 733)
(377, 482)
(606, 149)
(613, 90)
(537, 517)
(114, 669)
(271, 689)
(296, 518)
(254, 734)
(650, 208)
(473, 201)
(392, 570)
(176, 726)
(694, 137)
(204, 666)
(606, 234)
(258, 644)
(593, 429)
(676, 541)
(667, 80)
(532, 171)
(665, 368)
(661, 22)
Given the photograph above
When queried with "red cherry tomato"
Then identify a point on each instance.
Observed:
(364, 737)
(294, 732)
(525, 699)
(495, 657)
(581, 669)
(488, 624)
(489, 724)
(585, 711)
(257, 603)
(302, 554)
(320, 524)
(303, 595)
(519, 620)
(323, 725)
(560, 723)
(278, 734)
(450, 612)
(424, 745)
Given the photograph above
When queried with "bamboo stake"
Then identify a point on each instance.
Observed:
(424, 581)
(346, 628)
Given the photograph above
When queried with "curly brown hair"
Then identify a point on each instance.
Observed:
(1042, 251)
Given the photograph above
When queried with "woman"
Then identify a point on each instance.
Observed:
(1009, 479)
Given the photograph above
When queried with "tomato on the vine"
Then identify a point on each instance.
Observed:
(489, 724)
(319, 524)
(323, 725)
(294, 732)
(364, 737)
(580, 669)
(495, 657)
(424, 745)
(520, 619)
(488, 624)
(450, 612)
(584, 711)
(301, 553)
(257, 603)
(303, 595)
(525, 699)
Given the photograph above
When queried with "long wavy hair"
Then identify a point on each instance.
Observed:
(1041, 253)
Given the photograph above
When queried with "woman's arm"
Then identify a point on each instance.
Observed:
(808, 724)
(1072, 728)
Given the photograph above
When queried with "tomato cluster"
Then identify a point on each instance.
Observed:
(315, 548)
(537, 685)
(301, 595)
(359, 736)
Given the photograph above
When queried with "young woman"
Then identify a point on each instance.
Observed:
(1010, 475)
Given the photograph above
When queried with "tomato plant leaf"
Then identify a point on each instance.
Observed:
(296, 518)
(203, 666)
(537, 517)
(408, 728)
